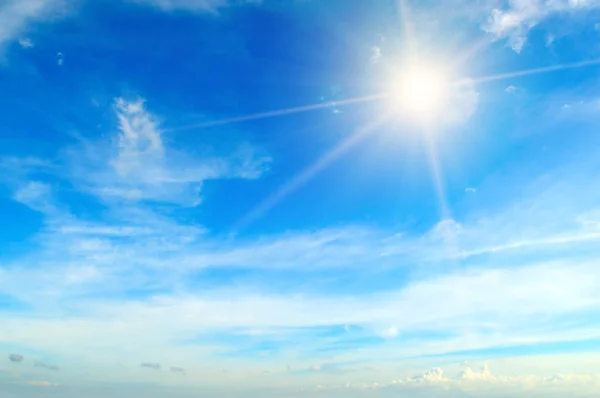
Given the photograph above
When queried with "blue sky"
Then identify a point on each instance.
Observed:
(234, 198)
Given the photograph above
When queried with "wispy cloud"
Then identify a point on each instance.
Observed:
(37, 383)
(487, 302)
(26, 43)
(16, 14)
(142, 168)
(375, 54)
(210, 6)
(516, 20)
(46, 366)
(154, 366)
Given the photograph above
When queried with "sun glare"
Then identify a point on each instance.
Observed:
(419, 90)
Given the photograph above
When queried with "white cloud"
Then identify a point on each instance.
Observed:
(375, 54)
(435, 375)
(390, 333)
(60, 58)
(470, 190)
(16, 14)
(484, 309)
(511, 89)
(193, 5)
(514, 21)
(461, 104)
(141, 167)
(26, 43)
(36, 195)
(485, 383)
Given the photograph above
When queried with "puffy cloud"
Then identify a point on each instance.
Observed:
(484, 381)
(514, 22)
(469, 374)
(435, 375)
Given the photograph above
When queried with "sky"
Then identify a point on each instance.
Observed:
(294, 198)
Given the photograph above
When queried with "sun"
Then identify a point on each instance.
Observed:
(419, 90)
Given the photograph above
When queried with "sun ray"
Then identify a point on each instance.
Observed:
(529, 72)
(434, 165)
(307, 174)
(407, 26)
(474, 48)
(280, 112)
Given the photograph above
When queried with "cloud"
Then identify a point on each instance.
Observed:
(133, 277)
(175, 369)
(511, 89)
(141, 167)
(375, 54)
(514, 21)
(390, 333)
(26, 43)
(435, 375)
(46, 366)
(480, 383)
(36, 195)
(15, 358)
(15, 15)
(210, 6)
(60, 58)
(148, 365)
(41, 384)
(461, 104)
(470, 190)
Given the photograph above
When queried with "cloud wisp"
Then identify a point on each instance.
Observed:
(514, 22)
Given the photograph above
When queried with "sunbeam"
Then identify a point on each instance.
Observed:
(305, 175)
(528, 72)
(407, 25)
(436, 174)
(280, 112)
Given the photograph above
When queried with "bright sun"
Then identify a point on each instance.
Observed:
(419, 90)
